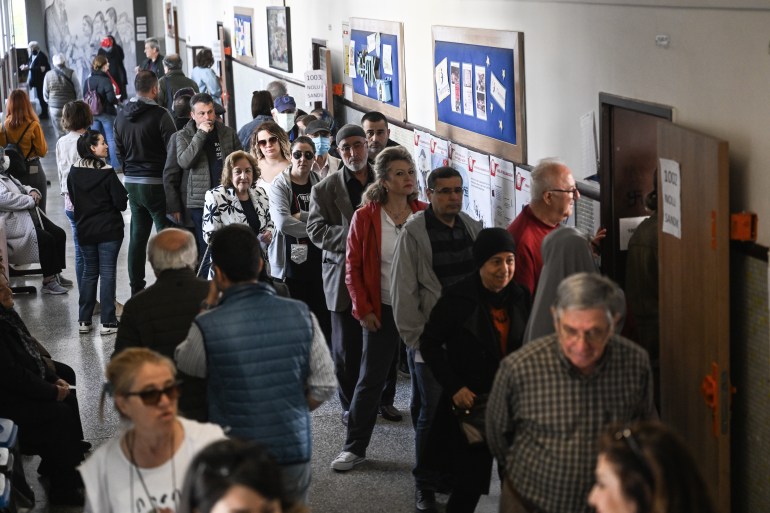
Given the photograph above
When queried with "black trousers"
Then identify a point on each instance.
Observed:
(51, 243)
(311, 292)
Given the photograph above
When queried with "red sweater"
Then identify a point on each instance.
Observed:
(528, 233)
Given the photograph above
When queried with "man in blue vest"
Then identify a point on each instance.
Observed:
(265, 358)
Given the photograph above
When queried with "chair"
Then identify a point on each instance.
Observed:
(22, 289)
(13, 483)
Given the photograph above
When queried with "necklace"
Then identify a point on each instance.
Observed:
(400, 216)
(130, 443)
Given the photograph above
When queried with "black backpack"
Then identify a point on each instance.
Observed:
(18, 161)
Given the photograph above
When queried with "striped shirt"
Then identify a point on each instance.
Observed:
(452, 248)
(544, 417)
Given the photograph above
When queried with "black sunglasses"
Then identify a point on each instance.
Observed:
(309, 155)
(271, 140)
(152, 397)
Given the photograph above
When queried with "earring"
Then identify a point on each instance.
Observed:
(386, 189)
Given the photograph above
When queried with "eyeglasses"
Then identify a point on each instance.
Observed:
(152, 397)
(264, 142)
(449, 190)
(572, 192)
(353, 147)
(309, 155)
(592, 336)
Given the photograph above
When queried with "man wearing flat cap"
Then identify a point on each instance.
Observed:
(332, 204)
(324, 163)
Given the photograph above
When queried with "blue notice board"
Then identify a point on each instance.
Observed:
(359, 83)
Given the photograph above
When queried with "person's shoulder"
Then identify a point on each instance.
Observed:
(201, 433)
(535, 353)
(629, 352)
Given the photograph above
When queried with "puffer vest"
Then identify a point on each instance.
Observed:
(258, 354)
(61, 91)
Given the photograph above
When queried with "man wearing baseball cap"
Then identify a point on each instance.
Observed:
(284, 111)
(324, 163)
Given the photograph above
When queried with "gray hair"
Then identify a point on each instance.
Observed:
(59, 60)
(172, 62)
(542, 177)
(163, 258)
(376, 192)
(586, 291)
(33, 45)
(153, 43)
(277, 88)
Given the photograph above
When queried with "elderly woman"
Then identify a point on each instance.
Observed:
(387, 204)
(143, 469)
(205, 77)
(101, 83)
(646, 468)
(270, 145)
(28, 242)
(37, 396)
(474, 325)
(238, 200)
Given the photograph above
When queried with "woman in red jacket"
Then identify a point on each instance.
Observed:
(387, 204)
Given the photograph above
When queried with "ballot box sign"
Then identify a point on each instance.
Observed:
(315, 86)
(671, 179)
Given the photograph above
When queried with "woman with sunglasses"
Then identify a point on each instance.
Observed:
(293, 258)
(143, 469)
(270, 145)
(646, 468)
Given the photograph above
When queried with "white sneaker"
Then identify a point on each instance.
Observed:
(346, 461)
(85, 327)
(109, 329)
(53, 288)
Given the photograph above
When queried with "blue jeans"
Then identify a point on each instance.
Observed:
(100, 261)
(426, 393)
(78, 254)
(103, 123)
(296, 481)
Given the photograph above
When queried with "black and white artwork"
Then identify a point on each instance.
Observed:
(76, 28)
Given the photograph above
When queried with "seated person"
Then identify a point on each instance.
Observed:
(29, 242)
(36, 395)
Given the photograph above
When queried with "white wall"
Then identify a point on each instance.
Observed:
(716, 73)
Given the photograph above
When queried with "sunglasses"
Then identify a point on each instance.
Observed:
(309, 155)
(271, 140)
(152, 397)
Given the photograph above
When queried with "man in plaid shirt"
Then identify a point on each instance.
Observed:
(552, 398)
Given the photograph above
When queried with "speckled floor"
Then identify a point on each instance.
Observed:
(382, 484)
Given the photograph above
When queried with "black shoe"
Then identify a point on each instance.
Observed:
(344, 417)
(389, 412)
(85, 446)
(425, 501)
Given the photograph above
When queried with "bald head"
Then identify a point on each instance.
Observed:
(553, 191)
(172, 248)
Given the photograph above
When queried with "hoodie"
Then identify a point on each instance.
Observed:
(99, 198)
(142, 131)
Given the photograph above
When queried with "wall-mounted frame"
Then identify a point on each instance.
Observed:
(478, 88)
(382, 86)
(243, 35)
(169, 20)
(279, 38)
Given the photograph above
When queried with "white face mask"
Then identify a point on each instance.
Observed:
(285, 121)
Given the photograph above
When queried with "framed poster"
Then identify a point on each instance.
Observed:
(169, 20)
(243, 35)
(479, 89)
(376, 66)
(279, 38)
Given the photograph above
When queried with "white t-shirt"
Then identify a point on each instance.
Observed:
(111, 481)
(387, 249)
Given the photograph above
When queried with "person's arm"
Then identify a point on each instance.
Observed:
(172, 181)
(128, 330)
(524, 274)
(435, 341)
(190, 355)
(167, 127)
(78, 88)
(15, 202)
(108, 91)
(38, 140)
(118, 193)
(354, 270)
(331, 237)
(186, 153)
(212, 83)
(280, 210)
(405, 290)
(321, 380)
(16, 381)
(266, 221)
(45, 87)
(212, 220)
(501, 406)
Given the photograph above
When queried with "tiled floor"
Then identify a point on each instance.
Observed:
(382, 484)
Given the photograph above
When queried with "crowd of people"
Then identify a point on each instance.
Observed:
(293, 261)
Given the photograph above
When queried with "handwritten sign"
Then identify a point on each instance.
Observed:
(671, 178)
(315, 86)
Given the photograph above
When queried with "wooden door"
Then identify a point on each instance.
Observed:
(695, 304)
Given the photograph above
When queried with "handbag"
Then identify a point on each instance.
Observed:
(473, 420)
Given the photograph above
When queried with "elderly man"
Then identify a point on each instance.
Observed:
(552, 399)
(60, 86)
(160, 316)
(172, 81)
(38, 66)
(265, 372)
(433, 252)
(377, 133)
(154, 60)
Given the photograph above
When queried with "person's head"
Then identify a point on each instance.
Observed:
(111, 20)
(240, 170)
(270, 141)
(233, 475)
(151, 48)
(59, 60)
(377, 132)
(172, 248)
(235, 255)
(76, 116)
(144, 387)
(204, 58)
(320, 133)
(277, 88)
(261, 104)
(107, 43)
(284, 111)
(393, 171)
(554, 190)
(445, 192)
(87, 26)
(202, 109)
(351, 142)
(583, 316)
(325, 116)
(494, 253)
(646, 468)
(33, 47)
(303, 122)
(146, 83)
(92, 146)
(182, 107)
(172, 62)
(302, 155)
(100, 63)
(19, 109)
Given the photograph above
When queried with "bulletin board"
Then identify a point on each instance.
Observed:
(379, 82)
(478, 89)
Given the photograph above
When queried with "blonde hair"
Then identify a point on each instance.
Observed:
(272, 128)
(376, 192)
(122, 369)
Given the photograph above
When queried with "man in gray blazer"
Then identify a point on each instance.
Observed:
(332, 204)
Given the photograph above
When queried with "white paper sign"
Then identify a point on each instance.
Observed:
(503, 191)
(352, 59)
(523, 187)
(497, 91)
(671, 178)
(371, 43)
(315, 86)
(422, 161)
(468, 98)
(387, 59)
(480, 207)
(442, 81)
(627, 227)
(588, 139)
(458, 155)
